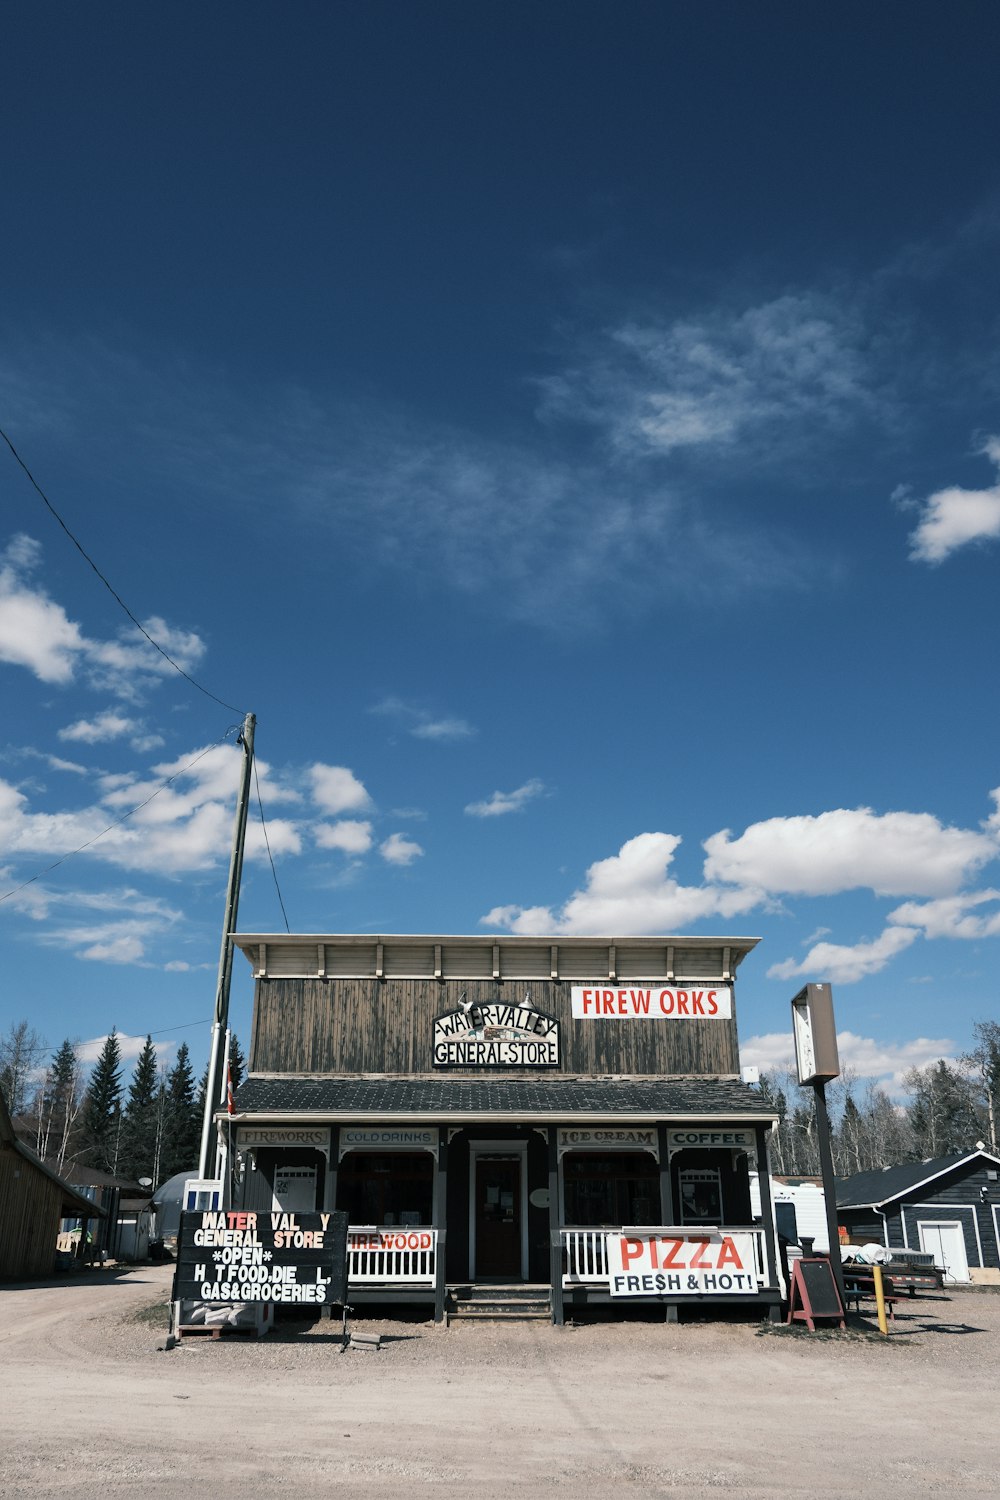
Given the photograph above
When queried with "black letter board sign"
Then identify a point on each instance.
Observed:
(245, 1256)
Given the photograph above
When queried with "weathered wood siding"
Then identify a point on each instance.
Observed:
(29, 1218)
(313, 1025)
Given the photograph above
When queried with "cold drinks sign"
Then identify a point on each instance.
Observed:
(645, 1263)
(652, 1002)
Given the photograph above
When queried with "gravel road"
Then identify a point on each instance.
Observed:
(90, 1405)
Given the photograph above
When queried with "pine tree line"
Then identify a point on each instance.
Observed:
(151, 1128)
(948, 1109)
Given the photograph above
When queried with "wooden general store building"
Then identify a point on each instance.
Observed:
(488, 1111)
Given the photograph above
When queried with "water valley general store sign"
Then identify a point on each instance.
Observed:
(496, 1034)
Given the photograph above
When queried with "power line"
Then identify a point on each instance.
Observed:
(118, 821)
(116, 596)
(267, 844)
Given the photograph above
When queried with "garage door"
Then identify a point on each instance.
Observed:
(945, 1240)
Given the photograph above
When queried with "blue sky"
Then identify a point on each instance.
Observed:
(572, 429)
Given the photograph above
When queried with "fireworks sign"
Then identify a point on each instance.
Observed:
(234, 1256)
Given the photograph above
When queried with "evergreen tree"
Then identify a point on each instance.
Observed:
(237, 1061)
(138, 1143)
(102, 1108)
(63, 1096)
(182, 1127)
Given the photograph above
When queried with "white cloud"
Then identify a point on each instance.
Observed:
(58, 764)
(37, 633)
(895, 854)
(631, 892)
(336, 789)
(129, 1047)
(842, 964)
(351, 835)
(106, 726)
(507, 802)
(34, 632)
(116, 950)
(399, 850)
(955, 517)
(952, 916)
(884, 1062)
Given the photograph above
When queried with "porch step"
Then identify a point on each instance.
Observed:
(490, 1300)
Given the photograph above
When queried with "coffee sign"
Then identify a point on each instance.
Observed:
(496, 1034)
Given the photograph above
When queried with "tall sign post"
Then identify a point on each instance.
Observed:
(817, 1061)
(221, 1019)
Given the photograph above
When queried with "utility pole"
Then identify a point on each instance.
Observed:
(221, 1019)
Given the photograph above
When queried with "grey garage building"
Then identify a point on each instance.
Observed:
(948, 1207)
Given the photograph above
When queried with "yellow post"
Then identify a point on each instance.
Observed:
(880, 1299)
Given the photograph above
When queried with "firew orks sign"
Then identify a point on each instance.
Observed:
(230, 1256)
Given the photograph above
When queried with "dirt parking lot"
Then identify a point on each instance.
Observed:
(91, 1406)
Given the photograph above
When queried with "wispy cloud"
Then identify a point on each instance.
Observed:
(706, 382)
(501, 803)
(422, 724)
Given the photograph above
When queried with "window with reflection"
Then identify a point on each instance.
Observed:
(391, 1187)
(622, 1187)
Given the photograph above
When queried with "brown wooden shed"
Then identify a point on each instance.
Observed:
(33, 1199)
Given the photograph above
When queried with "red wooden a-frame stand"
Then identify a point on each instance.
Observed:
(814, 1294)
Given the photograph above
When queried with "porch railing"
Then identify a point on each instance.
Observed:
(585, 1253)
(390, 1253)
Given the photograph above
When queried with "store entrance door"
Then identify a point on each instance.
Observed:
(498, 1218)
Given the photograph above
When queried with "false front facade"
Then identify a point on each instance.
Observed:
(564, 1116)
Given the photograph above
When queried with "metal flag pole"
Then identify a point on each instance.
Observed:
(221, 1019)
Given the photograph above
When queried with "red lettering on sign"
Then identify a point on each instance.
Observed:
(698, 1261)
(631, 1250)
(729, 1255)
(697, 1008)
(640, 1001)
(673, 1249)
(682, 1002)
(667, 1002)
(713, 1004)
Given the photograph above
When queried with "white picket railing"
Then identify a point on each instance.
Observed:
(585, 1254)
(386, 1253)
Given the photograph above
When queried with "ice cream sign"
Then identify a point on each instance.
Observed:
(652, 1263)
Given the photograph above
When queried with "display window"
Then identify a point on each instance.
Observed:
(394, 1187)
(622, 1187)
(701, 1195)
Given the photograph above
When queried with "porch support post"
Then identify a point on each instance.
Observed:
(555, 1238)
(766, 1206)
(330, 1187)
(441, 1221)
(666, 1197)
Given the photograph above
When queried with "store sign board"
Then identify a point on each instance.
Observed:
(363, 1138)
(244, 1257)
(711, 1139)
(602, 1002)
(680, 1265)
(496, 1034)
(603, 1138)
(253, 1137)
